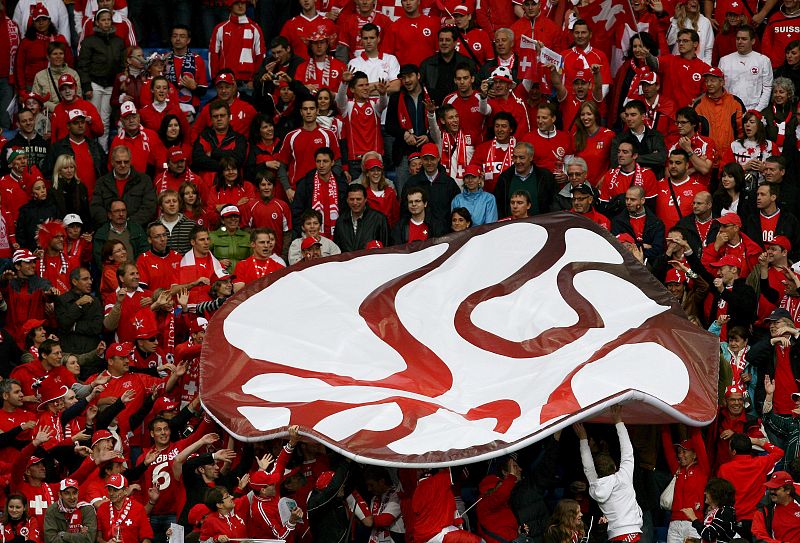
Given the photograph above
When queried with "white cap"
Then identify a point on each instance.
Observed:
(72, 218)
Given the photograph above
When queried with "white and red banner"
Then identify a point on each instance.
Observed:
(457, 349)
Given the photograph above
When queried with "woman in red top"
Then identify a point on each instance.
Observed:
(689, 463)
(263, 150)
(592, 142)
(17, 523)
(32, 53)
(192, 206)
(113, 254)
(153, 113)
(565, 525)
(174, 132)
(229, 187)
(380, 196)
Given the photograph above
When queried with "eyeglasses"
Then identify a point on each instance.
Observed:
(681, 123)
(573, 174)
(152, 339)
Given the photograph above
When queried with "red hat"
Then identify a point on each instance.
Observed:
(779, 479)
(260, 479)
(472, 169)
(324, 480)
(144, 321)
(66, 79)
(197, 514)
(373, 163)
(23, 255)
(317, 36)
(76, 114)
(164, 404)
(101, 435)
(487, 483)
(429, 149)
(197, 325)
(308, 243)
(581, 75)
(626, 238)
(733, 389)
(225, 77)
(782, 242)
(414, 156)
(649, 77)
(127, 109)
(38, 11)
(716, 72)
(119, 349)
(686, 445)
(176, 154)
(728, 260)
(117, 480)
(734, 6)
(229, 3)
(374, 244)
(51, 390)
(224, 276)
(730, 218)
(675, 276)
(31, 324)
(49, 229)
(461, 9)
(34, 460)
(229, 210)
(28, 95)
(68, 483)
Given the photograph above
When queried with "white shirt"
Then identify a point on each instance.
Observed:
(748, 77)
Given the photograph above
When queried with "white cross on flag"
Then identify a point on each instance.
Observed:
(606, 19)
(527, 59)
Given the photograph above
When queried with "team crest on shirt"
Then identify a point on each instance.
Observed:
(426, 32)
(695, 76)
(477, 46)
(754, 70)
(274, 216)
(561, 152)
(318, 140)
(23, 531)
(368, 111)
(334, 73)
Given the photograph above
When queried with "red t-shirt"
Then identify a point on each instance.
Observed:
(681, 79)
(469, 114)
(417, 232)
(132, 519)
(768, 225)
(597, 154)
(300, 28)
(299, 148)
(685, 191)
(637, 223)
(413, 40)
(84, 165)
(252, 268)
(274, 214)
(158, 271)
(549, 150)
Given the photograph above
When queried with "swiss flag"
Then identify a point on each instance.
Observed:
(528, 60)
(606, 18)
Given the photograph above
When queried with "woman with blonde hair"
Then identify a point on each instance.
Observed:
(380, 195)
(70, 193)
(688, 16)
(566, 524)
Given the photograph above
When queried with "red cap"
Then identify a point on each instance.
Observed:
(23, 255)
(51, 390)
(581, 75)
(101, 435)
(119, 349)
(429, 149)
(686, 445)
(714, 71)
(66, 79)
(727, 260)
(225, 77)
(309, 242)
(197, 325)
(221, 276)
(38, 11)
(260, 479)
(324, 480)
(472, 169)
(414, 156)
(779, 479)
(197, 514)
(164, 404)
(626, 238)
(34, 460)
(145, 324)
(782, 242)
(650, 78)
(733, 389)
(229, 210)
(730, 218)
(317, 36)
(116, 480)
(374, 244)
(176, 154)
(734, 6)
(127, 109)
(373, 163)
(675, 276)
(68, 483)
(76, 114)
(461, 9)
(31, 324)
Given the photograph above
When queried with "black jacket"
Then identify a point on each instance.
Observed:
(440, 194)
(546, 191)
(35, 150)
(742, 304)
(694, 240)
(371, 226)
(652, 150)
(400, 148)
(101, 58)
(438, 76)
(303, 198)
(400, 231)
(62, 147)
(31, 215)
(233, 145)
(653, 233)
(787, 225)
(139, 195)
(73, 197)
(327, 513)
(79, 326)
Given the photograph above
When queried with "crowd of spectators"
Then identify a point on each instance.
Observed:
(146, 179)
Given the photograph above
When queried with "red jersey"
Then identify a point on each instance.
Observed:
(616, 182)
(274, 214)
(363, 125)
(433, 505)
(768, 225)
(166, 180)
(141, 383)
(327, 74)
(39, 497)
(597, 154)
(158, 271)
(130, 519)
(413, 40)
(188, 385)
(514, 105)
(31, 374)
(596, 216)
(541, 29)
(549, 150)
(12, 195)
(350, 25)
(780, 30)
(13, 419)
(126, 331)
(417, 232)
(785, 523)
(215, 525)
(702, 147)
(493, 158)
(681, 79)
(237, 44)
(576, 60)
(298, 29)
(386, 202)
(192, 268)
(56, 269)
(28, 530)
(470, 113)
(673, 205)
(252, 268)
(299, 147)
(59, 118)
(85, 169)
(480, 43)
(747, 474)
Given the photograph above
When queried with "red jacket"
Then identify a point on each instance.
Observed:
(495, 518)
(785, 524)
(216, 525)
(748, 474)
(58, 120)
(691, 481)
(237, 44)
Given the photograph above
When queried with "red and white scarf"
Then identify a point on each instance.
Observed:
(311, 73)
(448, 142)
(118, 520)
(507, 157)
(403, 116)
(638, 180)
(330, 215)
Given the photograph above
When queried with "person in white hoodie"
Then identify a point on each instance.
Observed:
(748, 74)
(610, 487)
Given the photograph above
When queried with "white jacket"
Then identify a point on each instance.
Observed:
(749, 77)
(614, 493)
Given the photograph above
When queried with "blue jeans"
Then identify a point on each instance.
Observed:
(160, 525)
